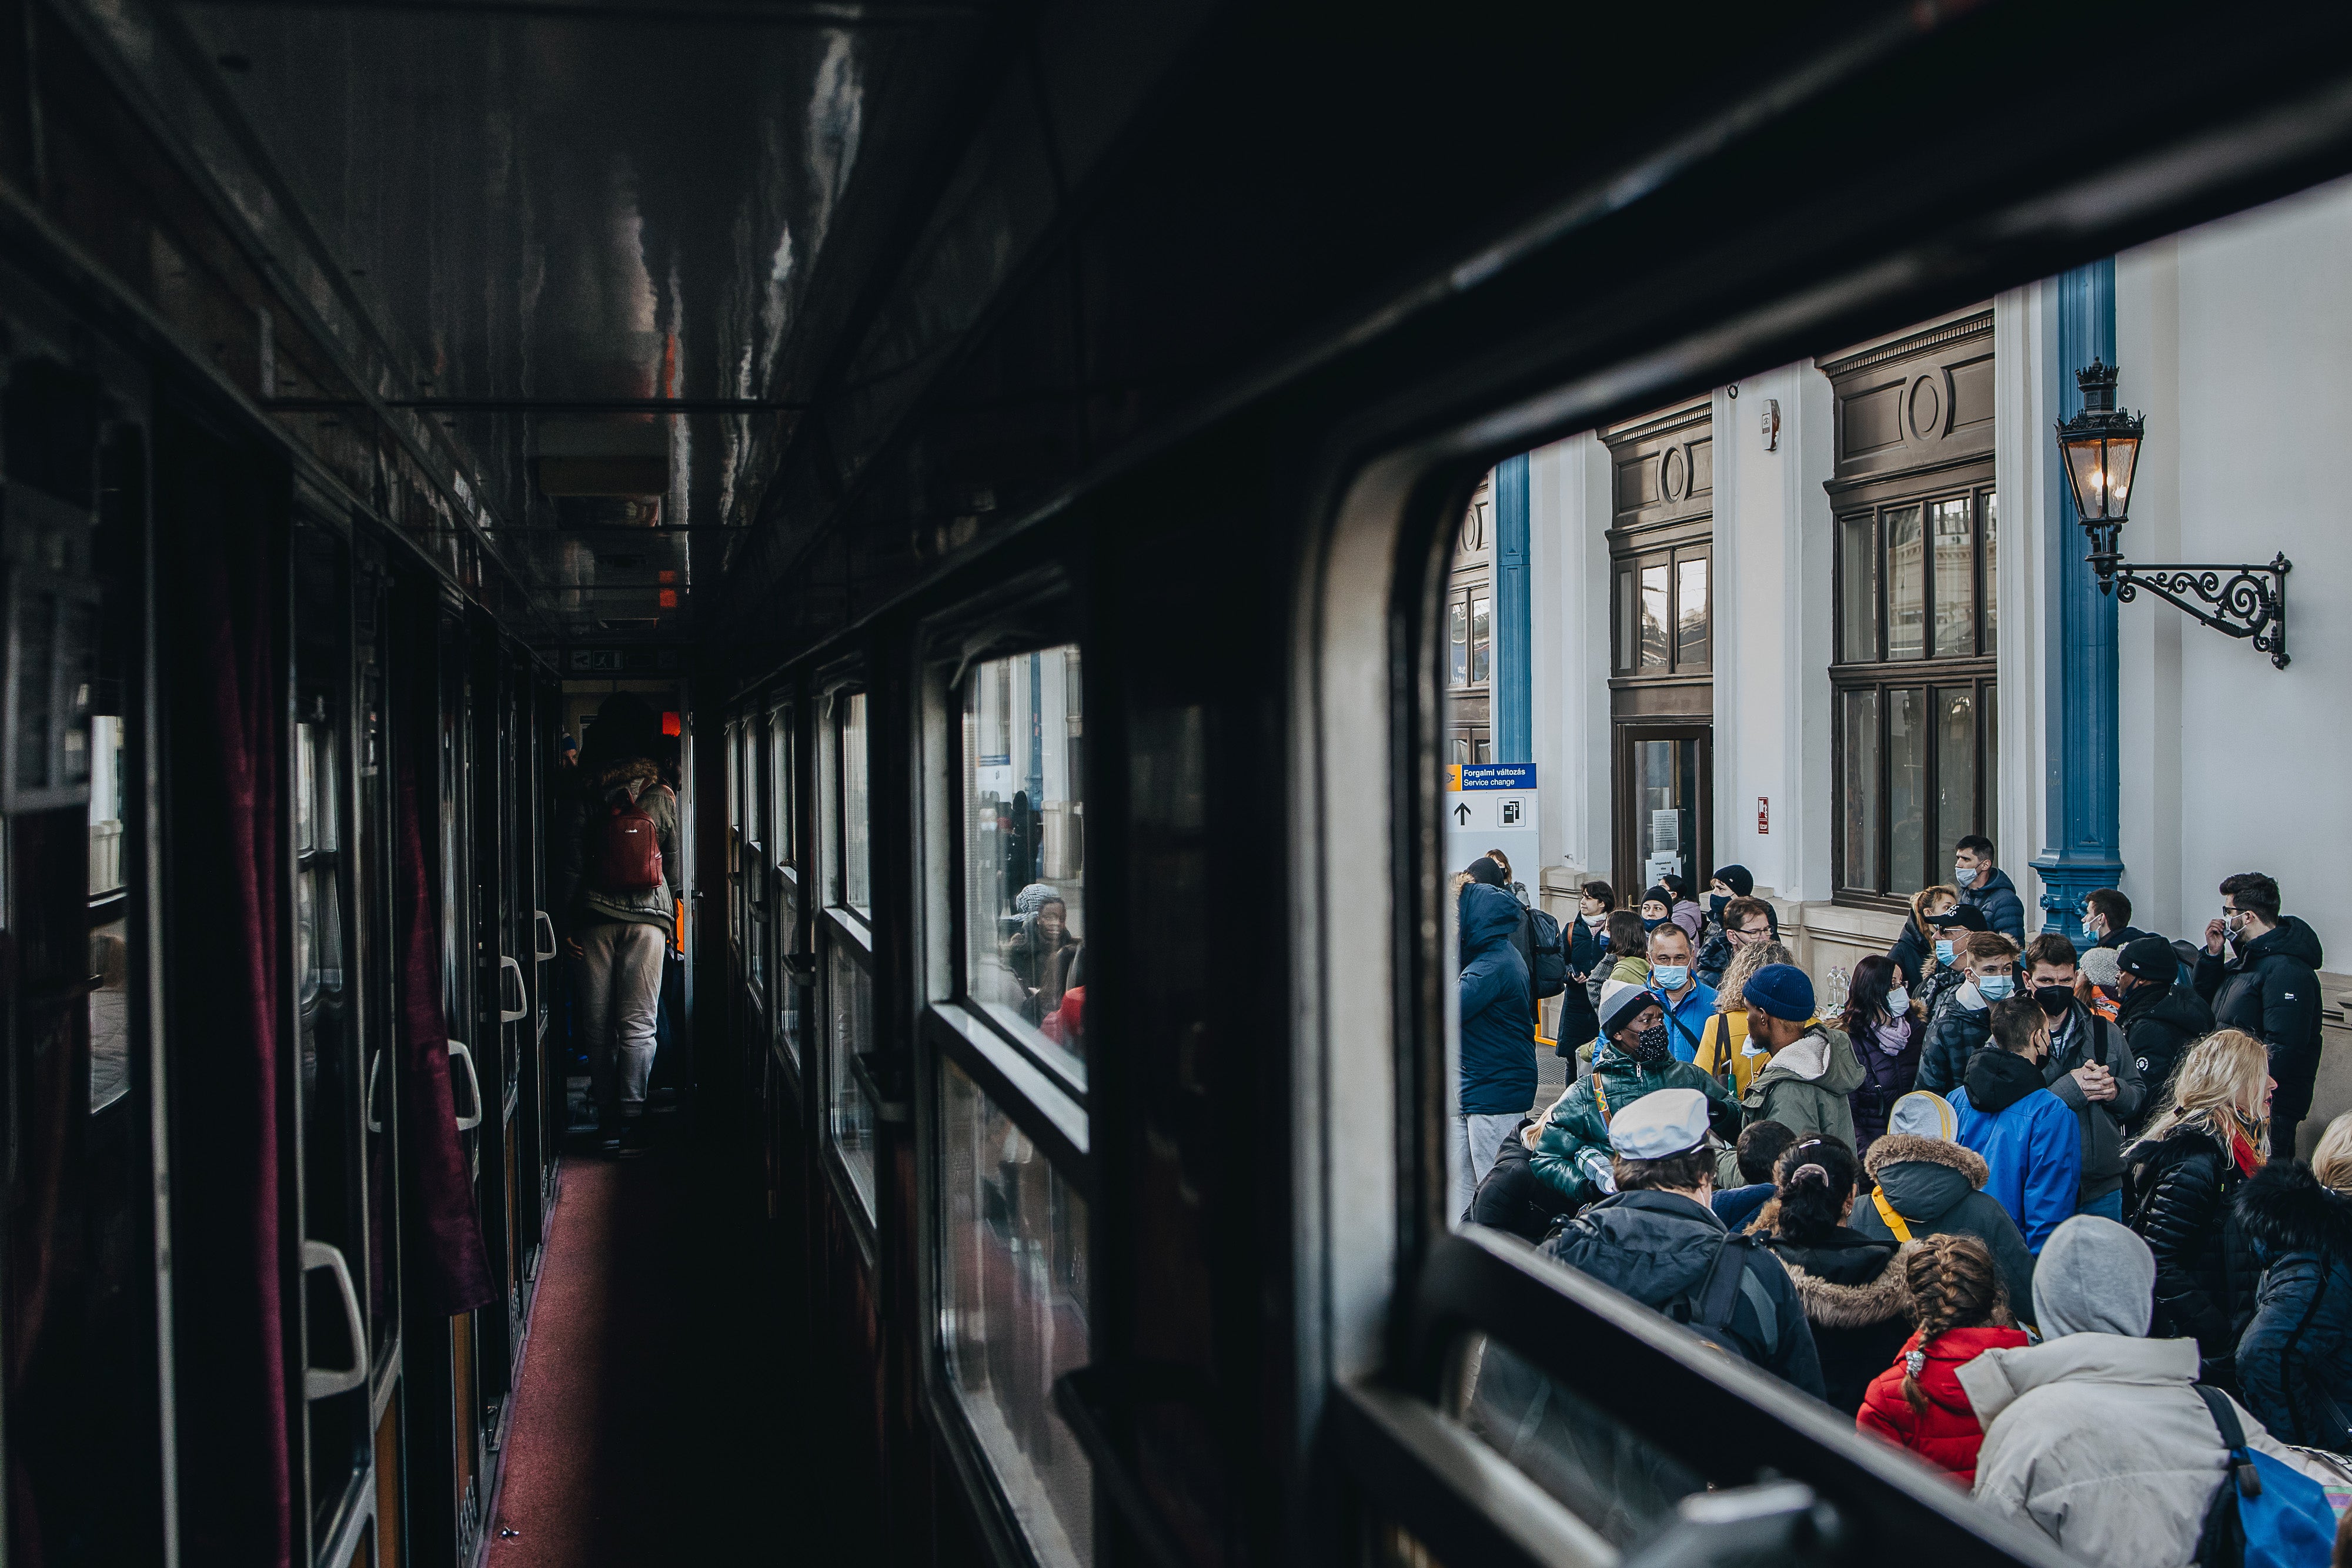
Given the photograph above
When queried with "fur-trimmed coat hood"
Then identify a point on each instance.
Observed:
(1934, 1187)
(1852, 1288)
(2295, 1360)
(1905, 1148)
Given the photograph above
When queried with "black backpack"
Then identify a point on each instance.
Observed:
(1707, 1312)
(1550, 953)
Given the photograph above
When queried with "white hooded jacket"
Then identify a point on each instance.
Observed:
(2100, 1441)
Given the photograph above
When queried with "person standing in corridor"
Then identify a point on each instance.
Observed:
(1499, 1037)
(617, 888)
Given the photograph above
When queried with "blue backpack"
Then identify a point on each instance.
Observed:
(2265, 1513)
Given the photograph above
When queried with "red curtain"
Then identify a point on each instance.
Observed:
(227, 694)
(452, 1267)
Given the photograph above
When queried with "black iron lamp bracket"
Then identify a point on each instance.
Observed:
(2247, 601)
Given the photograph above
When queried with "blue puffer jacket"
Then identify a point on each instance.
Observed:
(1498, 1028)
(2032, 1146)
(2295, 1360)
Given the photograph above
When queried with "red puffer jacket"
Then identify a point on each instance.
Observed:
(1948, 1436)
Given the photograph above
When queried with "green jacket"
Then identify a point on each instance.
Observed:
(1572, 1152)
(1804, 1090)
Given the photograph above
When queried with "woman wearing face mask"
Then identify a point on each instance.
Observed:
(1914, 952)
(1886, 1033)
(1681, 908)
(1632, 1059)
(1716, 944)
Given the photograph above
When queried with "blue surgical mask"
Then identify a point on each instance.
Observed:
(1964, 874)
(1898, 1002)
(1714, 902)
(1670, 977)
(1997, 988)
(1943, 949)
(1650, 925)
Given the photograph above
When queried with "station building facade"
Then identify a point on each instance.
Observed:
(1825, 621)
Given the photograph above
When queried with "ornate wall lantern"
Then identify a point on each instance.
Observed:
(2099, 450)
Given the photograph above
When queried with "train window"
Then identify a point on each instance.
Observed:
(1013, 1312)
(849, 1115)
(856, 859)
(110, 996)
(755, 862)
(1023, 822)
(781, 817)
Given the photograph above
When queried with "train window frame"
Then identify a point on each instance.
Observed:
(785, 1039)
(844, 945)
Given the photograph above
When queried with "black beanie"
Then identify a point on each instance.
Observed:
(1737, 878)
(2149, 958)
(1967, 916)
(1484, 869)
(1660, 895)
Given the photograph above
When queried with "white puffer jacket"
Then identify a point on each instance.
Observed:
(2100, 1441)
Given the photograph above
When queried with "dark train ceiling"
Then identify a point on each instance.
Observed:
(539, 218)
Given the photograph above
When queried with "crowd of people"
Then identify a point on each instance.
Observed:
(2027, 1209)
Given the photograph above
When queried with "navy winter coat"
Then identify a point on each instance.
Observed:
(2271, 990)
(1498, 1027)
(1995, 897)
(2295, 1360)
(1954, 1035)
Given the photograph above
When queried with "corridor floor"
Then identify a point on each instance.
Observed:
(648, 1428)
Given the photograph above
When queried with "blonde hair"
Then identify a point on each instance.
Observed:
(2331, 1162)
(1745, 962)
(1500, 859)
(1921, 899)
(1535, 1127)
(2221, 1087)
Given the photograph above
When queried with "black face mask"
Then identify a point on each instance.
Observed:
(2054, 1000)
(1714, 902)
(1650, 1045)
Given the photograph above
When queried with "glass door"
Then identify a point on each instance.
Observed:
(1664, 805)
(472, 1076)
(497, 1014)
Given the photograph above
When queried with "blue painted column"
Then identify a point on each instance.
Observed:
(2085, 844)
(1514, 695)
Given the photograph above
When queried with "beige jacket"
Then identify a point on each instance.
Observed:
(2099, 1441)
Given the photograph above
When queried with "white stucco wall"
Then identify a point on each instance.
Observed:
(2235, 339)
(1567, 571)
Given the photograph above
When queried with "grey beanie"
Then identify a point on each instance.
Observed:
(2093, 1277)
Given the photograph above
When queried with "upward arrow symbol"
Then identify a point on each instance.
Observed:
(1462, 813)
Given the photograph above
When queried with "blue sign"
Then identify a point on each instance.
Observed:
(1498, 775)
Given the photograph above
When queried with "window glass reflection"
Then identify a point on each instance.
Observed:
(1023, 800)
(1690, 612)
(850, 1115)
(1907, 586)
(1610, 1476)
(1013, 1312)
(1654, 617)
(857, 860)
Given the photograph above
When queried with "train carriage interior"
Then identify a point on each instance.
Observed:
(1018, 1108)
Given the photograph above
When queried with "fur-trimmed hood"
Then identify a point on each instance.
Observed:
(1907, 1148)
(1831, 1305)
(631, 773)
(2283, 1210)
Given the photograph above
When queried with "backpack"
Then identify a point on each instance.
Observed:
(624, 848)
(1550, 953)
(1707, 1312)
(2265, 1513)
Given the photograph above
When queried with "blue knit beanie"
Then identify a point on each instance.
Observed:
(1781, 991)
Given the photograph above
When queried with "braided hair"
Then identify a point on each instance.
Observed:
(1953, 1285)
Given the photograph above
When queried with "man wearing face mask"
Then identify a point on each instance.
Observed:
(2090, 1071)
(1631, 1060)
(1688, 1004)
(2269, 988)
(2160, 1018)
(2033, 1150)
(1986, 888)
(1722, 934)
(1949, 972)
(1962, 1025)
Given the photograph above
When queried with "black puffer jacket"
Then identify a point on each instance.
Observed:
(2294, 1361)
(1578, 1022)
(1956, 1034)
(2159, 1024)
(2271, 990)
(1512, 1197)
(1855, 1298)
(2205, 1274)
(1911, 952)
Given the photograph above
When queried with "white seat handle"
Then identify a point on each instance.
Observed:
(325, 1383)
(375, 1077)
(543, 935)
(521, 1010)
(458, 1053)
